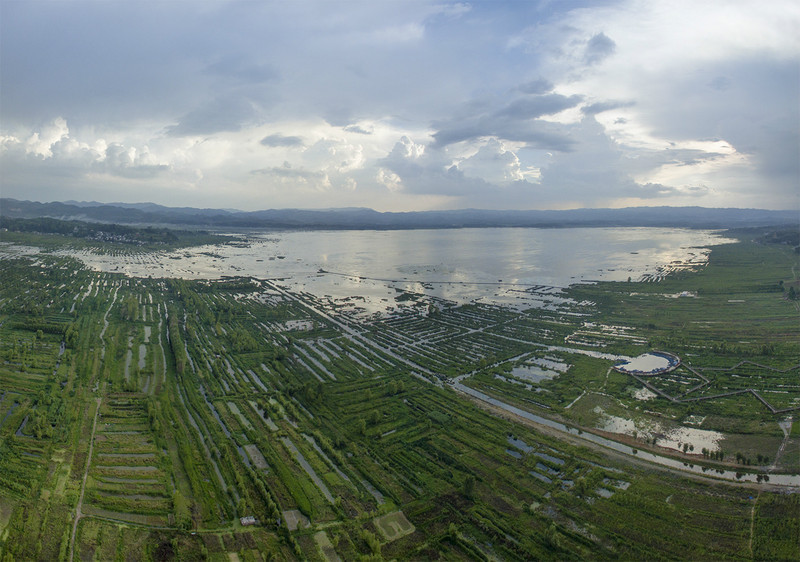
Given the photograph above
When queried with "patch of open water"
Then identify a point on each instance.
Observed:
(516, 267)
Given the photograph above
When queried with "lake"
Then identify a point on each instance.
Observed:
(519, 267)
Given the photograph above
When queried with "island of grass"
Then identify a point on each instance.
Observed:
(100, 237)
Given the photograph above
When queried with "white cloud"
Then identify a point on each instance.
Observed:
(508, 104)
(41, 142)
(407, 149)
(389, 179)
(334, 155)
(493, 163)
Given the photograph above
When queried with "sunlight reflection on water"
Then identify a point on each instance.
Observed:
(495, 265)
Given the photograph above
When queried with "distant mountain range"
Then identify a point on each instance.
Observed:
(368, 219)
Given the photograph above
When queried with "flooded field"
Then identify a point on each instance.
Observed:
(669, 436)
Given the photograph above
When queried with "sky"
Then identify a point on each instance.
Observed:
(402, 105)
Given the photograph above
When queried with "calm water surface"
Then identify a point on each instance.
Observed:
(490, 264)
(556, 257)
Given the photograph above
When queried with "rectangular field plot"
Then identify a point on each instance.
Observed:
(325, 546)
(255, 455)
(127, 472)
(394, 525)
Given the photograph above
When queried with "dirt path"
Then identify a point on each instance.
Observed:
(752, 523)
(353, 333)
(786, 427)
(105, 324)
(78, 513)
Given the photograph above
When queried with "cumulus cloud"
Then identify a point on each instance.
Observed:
(55, 144)
(596, 171)
(406, 149)
(130, 162)
(335, 155)
(494, 163)
(389, 179)
(41, 142)
(417, 169)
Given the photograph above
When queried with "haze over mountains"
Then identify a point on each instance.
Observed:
(363, 218)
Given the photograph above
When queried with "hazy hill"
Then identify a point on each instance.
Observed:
(361, 218)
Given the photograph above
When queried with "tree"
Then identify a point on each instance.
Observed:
(469, 486)
(181, 508)
(580, 487)
(452, 531)
(552, 536)
(130, 308)
(372, 541)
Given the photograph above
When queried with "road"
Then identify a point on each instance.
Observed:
(78, 512)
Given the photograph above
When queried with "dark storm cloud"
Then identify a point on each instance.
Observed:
(240, 68)
(538, 106)
(536, 136)
(756, 112)
(219, 115)
(93, 91)
(358, 130)
(429, 174)
(119, 162)
(278, 140)
(93, 62)
(600, 107)
(598, 48)
(515, 120)
(286, 172)
(538, 86)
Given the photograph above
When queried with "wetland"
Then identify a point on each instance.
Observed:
(399, 397)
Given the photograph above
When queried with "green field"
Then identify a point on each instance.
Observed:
(151, 416)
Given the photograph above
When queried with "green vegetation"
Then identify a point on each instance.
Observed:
(163, 413)
(49, 233)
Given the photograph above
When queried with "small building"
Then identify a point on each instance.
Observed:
(246, 521)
